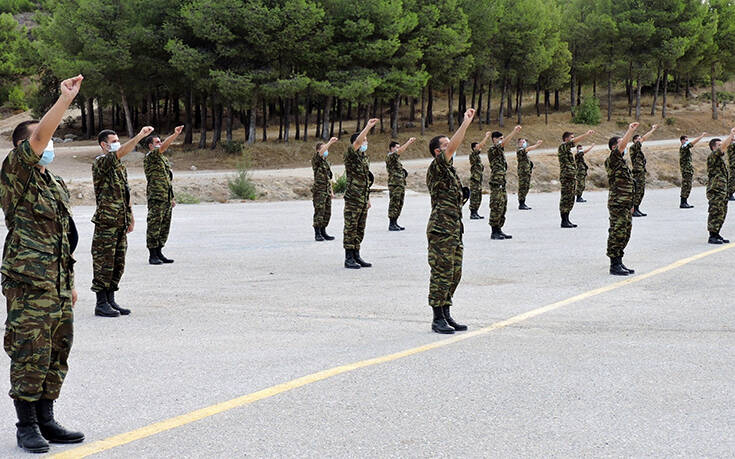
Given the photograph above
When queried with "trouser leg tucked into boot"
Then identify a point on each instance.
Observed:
(393, 225)
(28, 435)
(162, 257)
(350, 259)
(52, 430)
(522, 205)
(325, 235)
(153, 257)
(439, 324)
(450, 320)
(616, 267)
(114, 305)
(360, 261)
(103, 307)
(684, 204)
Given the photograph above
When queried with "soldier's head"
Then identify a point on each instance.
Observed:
(497, 137)
(567, 137)
(580, 148)
(522, 142)
(23, 131)
(438, 145)
(108, 140)
(684, 139)
(614, 143)
(354, 137)
(152, 142)
(715, 144)
(393, 146)
(636, 138)
(474, 145)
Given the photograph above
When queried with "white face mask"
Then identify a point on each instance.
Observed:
(326, 153)
(48, 154)
(114, 146)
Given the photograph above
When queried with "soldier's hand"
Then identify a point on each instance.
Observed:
(173, 203)
(488, 134)
(74, 297)
(411, 140)
(517, 128)
(469, 115)
(178, 129)
(333, 139)
(654, 127)
(70, 87)
(372, 122)
(145, 131)
(131, 227)
(634, 125)
(539, 142)
(732, 131)
(591, 131)
(705, 134)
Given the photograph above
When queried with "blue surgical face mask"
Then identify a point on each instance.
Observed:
(326, 153)
(114, 146)
(363, 148)
(48, 154)
(525, 144)
(686, 144)
(625, 151)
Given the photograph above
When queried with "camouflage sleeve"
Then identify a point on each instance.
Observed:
(351, 161)
(16, 172)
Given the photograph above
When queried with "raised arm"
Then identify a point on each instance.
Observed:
(535, 146)
(701, 136)
(481, 145)
(515, 131)
(649, 133)
(727, 140)
(588, 149)
(128, 146)
(170, 139)
(363, 135)
(403, 147)
(458, 136)
(325, 146)
(628, 135)
(45, 129)
(580, 138)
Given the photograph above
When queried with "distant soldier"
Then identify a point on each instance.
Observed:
(396, 182)
(619, 202)
(717, 187)
(525, 169)
(445, 229)
(321, 191)
(160, 194)
(113, 219)
(38, 277)
(638, 159)
(498, 194)
(567, 176)
(357, 196)
(687, 171)
(582, 169)
(731, 163)
(476, 170)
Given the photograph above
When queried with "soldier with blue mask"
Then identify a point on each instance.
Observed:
(396, 182)
(687, 170)
(321, 191)
(38, 277)
(498, 193)
(717, 188)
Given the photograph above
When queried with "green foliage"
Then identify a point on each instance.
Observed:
(241, 185)
(16, 6)
(340, 185)
(670, 121)
(233, 148)
(17, 98)
(186, 198)
(588, 112)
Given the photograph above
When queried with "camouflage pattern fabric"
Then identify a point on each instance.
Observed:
(476, 170)
(717, 186)
(731, 164)
(357, 195)
(158, 176)
(158, 223)
(619, 203)
(525, 169)
(396, 184)
(444, 231)
(498, 195)
(567, 176)
(109, 246)
(638, 159)
(687, 171)
(321, 191)
(111, 192)
(582, 169)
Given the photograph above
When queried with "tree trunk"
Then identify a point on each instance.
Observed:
(188, 128)
(520, 101)
(382, 129)
(83, 108)
(341, 116)
(547, 96)
(197, 115)
(126, 110)
(90, 118)
(479, 104)
(359, 117)
(286, 120)
(609, 95)
(638, 99)
(334, 117)
(423, 115)
(135, 115)
(510, 98)
(265, 121)
(307, 114)
(489, 100)
(100, 114)
(630, 88)
(318, 127)
(412, 110)
(687, 90)
(430, 106)
(165, 105)
(655, 92)
(450, 118)
(296, 122)
(349, 110)
(714, 91)
(579, 93)
(325, 125)
(176, 109)
(573, 95)
(203, 122)
(228, 125)
(666, 92)
(394, 119)
(252, 121)
(474, 90)
(503, 89)
(280, 118)
(594, 87)
(556, 100)
(216, 123)
(462, 103)
(538, 98)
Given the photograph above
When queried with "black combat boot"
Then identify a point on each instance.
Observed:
(325, 235)
(714, 238)
(399, 226)
(616, 267)
(581, 199)
(731, 197)
(360, 261)
(496, 234)
(450, 321)
(28, 436)
(439, 324)
(637, 212)
(724, 241)
(475, 216)
(103, 307)
(115, 306)
(684, 204)
(153, 257)
(162, 257)
(522, 205)
(52, 430)
(318, 234)
(393, 225)
(630, 271)
(350, 259)
(565, 223)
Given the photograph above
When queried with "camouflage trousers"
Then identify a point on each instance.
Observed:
(639, 179)
(618, 235)
(355, 217)
(731, 182)
(566, 203)
(475, 193)
(524, 184)
(687, 174)
(322, 201)
(445, 261)
(717, 210)
(498, 205)
(397, 193)
(39, 332)
(109, 246)
(581, 182)
(158, 223)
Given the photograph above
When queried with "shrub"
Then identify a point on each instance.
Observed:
(670, 121)
(186, 198)
(17, 98)
(340, 185)
(233, 148)
(588, 112)
(241, 185)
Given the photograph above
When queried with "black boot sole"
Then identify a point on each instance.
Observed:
(41, 450)
(167, 262)
(443, 331)
(497, 237)
(619, 273)
(105, 314)
(352, 266)
(63, 441)
(459, 327)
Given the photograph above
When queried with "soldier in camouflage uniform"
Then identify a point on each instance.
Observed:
(567, 176)
(357, 196)
(687, 171)
(498, 195)
(160, 194)
(619, 202)
(476, 170)
(444, 230)
(321, 191)
(717, 187)
(525, 168)
(396, 182)
(113, 219)
(638, 159)
(582, 169)
(731, 164)
(38, 277)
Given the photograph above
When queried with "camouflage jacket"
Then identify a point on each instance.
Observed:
(357, 168)
(567, 166)
(476, 167)
(111, 192)
(445, 189)
(37, 250)
(582, 167)
(322, 174)
(396, 175)
(731, 156)
(620, 181)
(717, 175)
(637, 158)
(158, 176)
(685, 157)
(525, 165)
(498, 165)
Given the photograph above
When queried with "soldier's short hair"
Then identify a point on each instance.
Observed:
(435, 143)
(392, 144)
(149, 140)
(521, 139)
(496, 135)
(636, 137)
(565, 136)
(613, 142)
(22, 131)
(713, 143)
(103, 135)
(354, 137)
(319, 145)
(684, 137)
(473, 145)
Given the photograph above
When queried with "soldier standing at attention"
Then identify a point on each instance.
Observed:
(498, 195)
(444, 230)
(113, 219)
(582, 169)
(731, 163)
(322, 192)
(160, 194)
(38, 277)
(357, 196)
(717, 184)
(619, 202)
(567, 176)
(687, 171)
(476, 169)
(396, 182)
(525, 168)
(639, 169)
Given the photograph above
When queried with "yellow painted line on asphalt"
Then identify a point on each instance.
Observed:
(188, 418)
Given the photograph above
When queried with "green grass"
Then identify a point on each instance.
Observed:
(186, 198)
